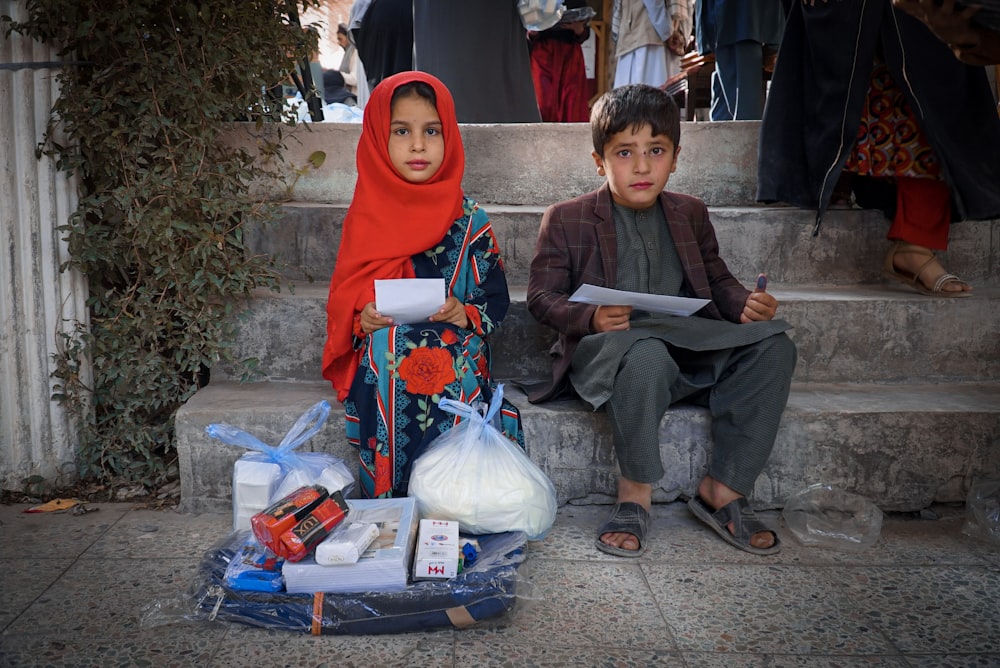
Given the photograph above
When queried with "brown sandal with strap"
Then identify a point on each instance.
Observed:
(913, 279)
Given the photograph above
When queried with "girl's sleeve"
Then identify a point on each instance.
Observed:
(488, 302)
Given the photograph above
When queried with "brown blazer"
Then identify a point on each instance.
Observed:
(577, 244)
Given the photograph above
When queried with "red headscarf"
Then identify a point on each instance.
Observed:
(389, 220)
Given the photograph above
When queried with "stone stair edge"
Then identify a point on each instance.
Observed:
(883, 291)
(984, 396)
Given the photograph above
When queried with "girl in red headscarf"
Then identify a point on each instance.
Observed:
(410, 219)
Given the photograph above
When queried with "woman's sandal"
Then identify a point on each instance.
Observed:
(913, 279)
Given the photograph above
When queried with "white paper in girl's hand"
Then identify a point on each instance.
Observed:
(409, 300)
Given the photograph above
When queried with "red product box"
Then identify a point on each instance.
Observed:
(303, 538)
(269, 524)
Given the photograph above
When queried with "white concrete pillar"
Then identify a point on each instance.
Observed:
(37, 300)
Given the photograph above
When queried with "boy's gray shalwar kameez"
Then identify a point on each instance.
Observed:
(741, 372)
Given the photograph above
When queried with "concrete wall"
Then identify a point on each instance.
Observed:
(37, 300)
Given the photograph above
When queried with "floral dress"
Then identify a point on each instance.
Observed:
(405, 370)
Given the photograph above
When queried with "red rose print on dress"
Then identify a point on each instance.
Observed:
(427, 370)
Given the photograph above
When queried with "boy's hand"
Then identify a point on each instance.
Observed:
(453, 311)
(372, 320)
(610, 319)
(760, 304)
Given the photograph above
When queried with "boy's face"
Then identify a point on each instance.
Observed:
(638, 166)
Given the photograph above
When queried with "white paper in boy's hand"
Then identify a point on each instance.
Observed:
(592, 294)
(409, 300)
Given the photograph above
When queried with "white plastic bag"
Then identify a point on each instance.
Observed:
(269, 473)
(475, 475)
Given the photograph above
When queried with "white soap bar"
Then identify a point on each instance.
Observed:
(346, 543)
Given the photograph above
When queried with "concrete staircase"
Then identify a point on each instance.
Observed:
(896, 395)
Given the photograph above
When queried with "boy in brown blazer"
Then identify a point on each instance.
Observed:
(730, 356)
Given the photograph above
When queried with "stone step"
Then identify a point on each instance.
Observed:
(778, 241)
(525, 163)
(902, 446)
(876, 333)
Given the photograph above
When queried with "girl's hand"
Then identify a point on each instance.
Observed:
(453, 311)
(372, 320)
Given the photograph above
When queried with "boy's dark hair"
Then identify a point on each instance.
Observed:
(342, 30)
(632, 106)
(418, 88)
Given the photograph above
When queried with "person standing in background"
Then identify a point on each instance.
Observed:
(384, 38)
(348, 64)
(557, 66)
(479, 49)
(650, 38)
(867, 91)
(737, 31)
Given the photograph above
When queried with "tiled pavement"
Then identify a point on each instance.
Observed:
(73, 588)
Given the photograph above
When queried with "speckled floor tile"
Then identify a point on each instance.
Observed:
(714, 660)
(724, 660)
(676, 536)
(486, 655)
(22, 582)
(940, 609)
(585, 603)
(246, 646)
(142, 534)
(54, 535)
(760, 609)
(954, 660)
(181, 647)
(105, 598)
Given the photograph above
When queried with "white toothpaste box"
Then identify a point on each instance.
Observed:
(437, 552)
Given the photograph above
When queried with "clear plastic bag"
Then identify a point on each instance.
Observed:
(475, 475)
(540, 14)
(824, 516)
(982, 506)
(268, 473)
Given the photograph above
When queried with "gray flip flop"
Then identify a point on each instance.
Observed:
(745, 524)
(626, 517)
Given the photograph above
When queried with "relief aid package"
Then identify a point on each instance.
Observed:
(268, 473)
(475, 475)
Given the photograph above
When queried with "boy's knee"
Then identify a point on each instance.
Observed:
(649, 358)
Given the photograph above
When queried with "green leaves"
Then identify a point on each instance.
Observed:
(163, 203)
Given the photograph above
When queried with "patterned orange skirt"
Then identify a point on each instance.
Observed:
(890, 141)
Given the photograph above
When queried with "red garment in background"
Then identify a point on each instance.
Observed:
(560, 78)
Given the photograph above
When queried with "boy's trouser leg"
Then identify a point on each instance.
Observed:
(639, 398)
(746, 405)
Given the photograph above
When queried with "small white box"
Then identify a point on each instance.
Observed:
(437, 550)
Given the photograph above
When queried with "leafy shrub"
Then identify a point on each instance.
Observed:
(159, 230)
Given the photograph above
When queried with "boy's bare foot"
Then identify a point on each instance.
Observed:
(718, 495)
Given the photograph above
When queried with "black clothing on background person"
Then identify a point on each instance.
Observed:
(819, 87)
(385, 39)
(479, 49)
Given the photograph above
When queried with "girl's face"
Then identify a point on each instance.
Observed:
(416, 145)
